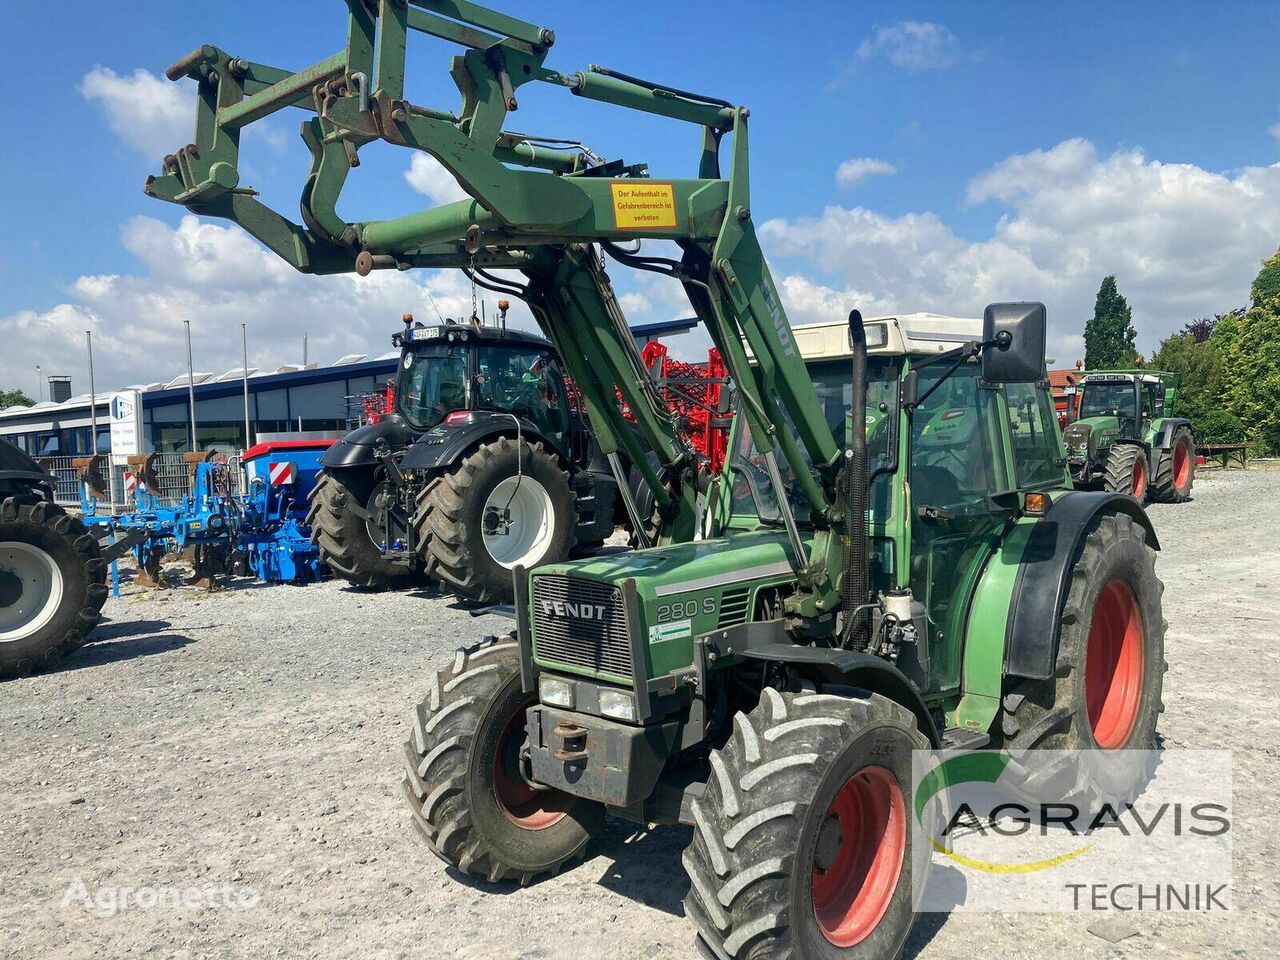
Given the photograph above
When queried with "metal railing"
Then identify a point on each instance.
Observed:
(172, 475)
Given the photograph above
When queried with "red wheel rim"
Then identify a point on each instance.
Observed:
(851, 895)
(1139, 478)
(1113, 665)
(524, 806)
(1181, 464)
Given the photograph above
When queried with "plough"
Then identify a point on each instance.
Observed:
(260, 530)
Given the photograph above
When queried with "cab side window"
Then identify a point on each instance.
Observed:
(1034, 430)
(952, 459)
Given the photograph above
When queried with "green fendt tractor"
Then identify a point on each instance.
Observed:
(1124, 439)
(893, 558)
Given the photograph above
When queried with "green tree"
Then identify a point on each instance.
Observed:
(14, 398)
(1250, 373)
(1109, 336)
(1199, 368)
(1266, 285)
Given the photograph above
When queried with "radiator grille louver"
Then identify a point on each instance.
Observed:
(602, 645)
(733, 608)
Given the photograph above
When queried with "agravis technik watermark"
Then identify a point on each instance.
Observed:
(108, 900)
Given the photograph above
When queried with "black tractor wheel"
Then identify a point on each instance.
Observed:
(1105, 691)
(1176, 469)
(1126, 471)
(495, 511)
(52, 585)
(350, 545)
(467, 775)
(802, 846)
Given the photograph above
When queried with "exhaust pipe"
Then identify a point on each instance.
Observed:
(853, 587)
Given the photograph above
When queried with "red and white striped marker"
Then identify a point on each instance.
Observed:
(130, 483)
(282, 473)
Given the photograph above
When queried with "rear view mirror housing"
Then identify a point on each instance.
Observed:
(1015, 338)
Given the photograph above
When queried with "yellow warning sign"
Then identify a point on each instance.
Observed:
(643, 205)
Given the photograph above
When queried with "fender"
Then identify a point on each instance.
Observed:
(15, 465)
(855, 669)
(445, 443)
(1168, 426)
(1031, 632)
(356, 448)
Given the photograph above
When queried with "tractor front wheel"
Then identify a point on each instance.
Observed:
(467, 778)
(1176, 469)
(508, 504)
(802, 845)
(350, 545)
(1126, 471)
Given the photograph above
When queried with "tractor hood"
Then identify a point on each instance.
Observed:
(682, 591)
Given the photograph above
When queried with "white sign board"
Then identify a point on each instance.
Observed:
(126, 425)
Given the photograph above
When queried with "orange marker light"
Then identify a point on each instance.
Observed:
(1035, 504)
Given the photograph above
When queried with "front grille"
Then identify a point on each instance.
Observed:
(599, 642)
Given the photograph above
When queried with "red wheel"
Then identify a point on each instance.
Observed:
(1181, 465)
(524, 806)
(859, 856)
(1139, 478)
(1114, 665)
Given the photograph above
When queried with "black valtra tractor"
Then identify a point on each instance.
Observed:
(483, 466)
(52, 574)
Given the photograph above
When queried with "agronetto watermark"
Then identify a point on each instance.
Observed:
(1074, 831)
(108, 900)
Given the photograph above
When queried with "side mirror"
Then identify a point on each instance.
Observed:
(1017, 334)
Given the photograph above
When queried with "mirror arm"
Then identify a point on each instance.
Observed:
(962, 354)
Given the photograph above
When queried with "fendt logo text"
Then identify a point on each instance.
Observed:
(568, 610)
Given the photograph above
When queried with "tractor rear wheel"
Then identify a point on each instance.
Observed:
(347, 542)
(1126, 471)
(1105, 691)
(467, 774)
(52, 585)
(1176, 469)
(802, 845)
(493, 512)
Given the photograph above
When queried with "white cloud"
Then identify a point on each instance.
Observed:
(1274, 130)
(147, 112)
(857, 169)
(217, 277)
(912, 45)
(429, 177)
(1183, 241)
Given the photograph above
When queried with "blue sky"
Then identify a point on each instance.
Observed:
(991, 151)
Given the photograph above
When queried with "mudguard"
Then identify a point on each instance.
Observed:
(16, 468)
(443, 445)
(1031, 633)
(356, 448)
(1163, 438)
(854, 669)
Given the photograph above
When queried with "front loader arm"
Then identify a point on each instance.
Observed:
(542, 207)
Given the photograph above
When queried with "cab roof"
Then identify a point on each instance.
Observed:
(904, 333)
(464, 332)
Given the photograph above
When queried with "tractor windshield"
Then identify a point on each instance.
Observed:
(1109, 399)
(753, 494)
(432, 382)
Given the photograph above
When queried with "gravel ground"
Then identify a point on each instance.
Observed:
(247, 744)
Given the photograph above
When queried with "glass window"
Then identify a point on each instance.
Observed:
(525, 381)
(432, 382)
(952, 463)
(1035, 438)
(753, 495)
(1104, 399)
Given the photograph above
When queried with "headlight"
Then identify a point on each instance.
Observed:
(617, 704)
(555, 692)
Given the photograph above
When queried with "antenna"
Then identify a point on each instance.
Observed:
(434, 307)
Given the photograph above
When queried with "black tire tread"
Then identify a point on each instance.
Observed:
(35, 511)
(441, 524)
(1118, 475)
(747, 822)
(436, 757)
(334, 530)
(1162, 486)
